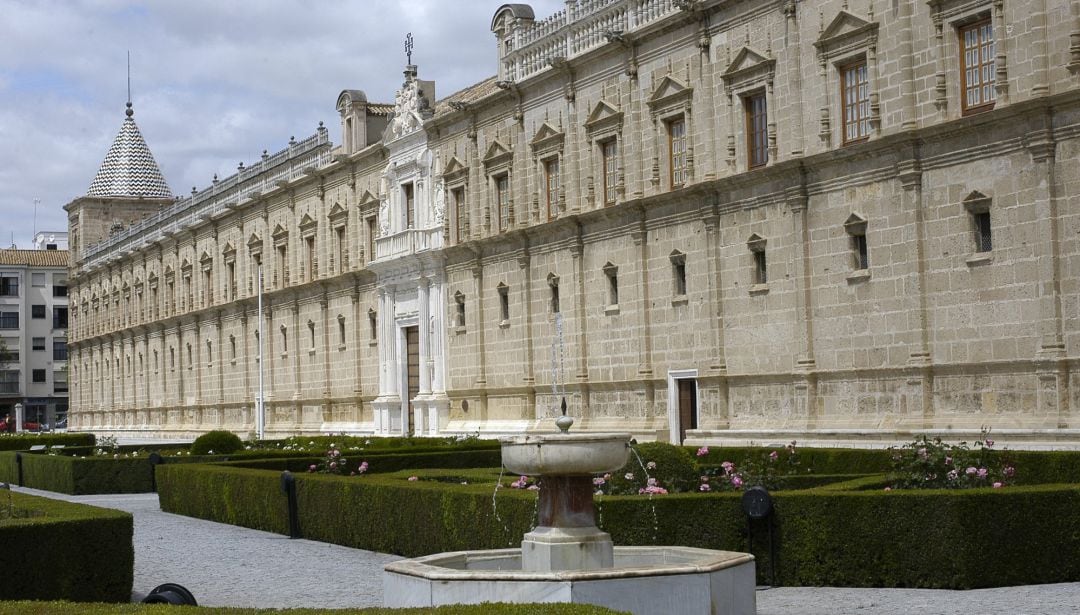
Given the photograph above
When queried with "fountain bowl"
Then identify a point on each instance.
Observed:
(667, 580)
(561, 454)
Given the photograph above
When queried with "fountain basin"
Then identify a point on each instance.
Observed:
(668, 580)
(579, 454)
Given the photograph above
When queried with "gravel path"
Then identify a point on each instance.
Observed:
(224, 565)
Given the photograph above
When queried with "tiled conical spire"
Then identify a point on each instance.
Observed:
(129, 169)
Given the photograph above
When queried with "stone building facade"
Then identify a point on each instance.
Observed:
(702, 221)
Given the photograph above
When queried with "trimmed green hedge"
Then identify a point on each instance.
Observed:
(67, 608)
(387, 461)
(24, 441)
(849, 534)
(70, 552)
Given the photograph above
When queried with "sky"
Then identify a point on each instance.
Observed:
(213, 82)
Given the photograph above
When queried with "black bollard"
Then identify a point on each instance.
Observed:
(288, 485)
(758, 505)
(155, 461)
(18, 464)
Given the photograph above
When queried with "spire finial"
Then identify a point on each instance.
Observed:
(129, 112)
(408, 48)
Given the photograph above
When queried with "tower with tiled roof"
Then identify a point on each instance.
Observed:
(129, 169)
(128, 186)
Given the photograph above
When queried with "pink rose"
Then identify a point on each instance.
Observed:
(705, 487)
(1008, 471)
(773, 456)
(629, 476)
(312, 468)
(701, 452)
(981, 473)
(414, 478)
(998, 485)
(989, 443)
(888, 488)
(971, 471)
(736, 481)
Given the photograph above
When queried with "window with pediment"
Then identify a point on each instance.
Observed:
(604, 130)
(308, 228)
(969, 54)
(670, 104)
(206, 264)
(847, 57)
(547, 147)
(228, 257)
(369, 212)
(498, 163)
(280, 237)
(339, 227)
(855, 227)
(455, 177)
(748, 84)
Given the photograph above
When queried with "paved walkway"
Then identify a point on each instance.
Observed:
(224, 565)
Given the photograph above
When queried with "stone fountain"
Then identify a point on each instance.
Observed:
(567, 558)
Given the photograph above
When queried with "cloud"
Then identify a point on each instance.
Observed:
(213, 83)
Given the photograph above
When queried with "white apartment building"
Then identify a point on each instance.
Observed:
(33, 332)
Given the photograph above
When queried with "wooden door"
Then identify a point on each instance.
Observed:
(412, 352)
(687, 406)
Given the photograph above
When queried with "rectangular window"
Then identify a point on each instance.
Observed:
(457, 195)
(60, 384)
(609, 151)
(373, 324)
(372, 233)
(37, 311)
(309, 244)
(208, 288)
(230, 281)
(9, 354)
(977, 72)
(761, 273)
(282, 270)
(554, 284)
(37, 280)
(504, 303)
(757, 131)
(59, 290)
(855, 97)
(502, 201)
(9, 382)
(410, 205)
(677, 151)
(341, 331)
(9, 320)
(862, 255)
(551, 187)
(37, 343)
(984, 241)
(678, 274)
(60, 318)
(612, 274)
(39, 375)
(459, 304)
(342, 249)
(59, 350)
(9, 285)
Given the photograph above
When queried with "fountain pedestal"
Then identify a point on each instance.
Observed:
(567, 537)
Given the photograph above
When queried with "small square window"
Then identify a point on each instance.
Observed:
(984, 240)
(39, 375)
(38, 343)
(37, 279)
(37, 311)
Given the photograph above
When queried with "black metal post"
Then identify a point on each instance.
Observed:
(288, 485)
(18, 464)
(155, 461)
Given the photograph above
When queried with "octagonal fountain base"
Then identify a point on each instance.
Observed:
(643, 580)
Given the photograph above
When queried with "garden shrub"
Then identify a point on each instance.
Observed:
(23, 442)
(67, 608)
(68, 552)
(933, 464)
(849, 534)
(218, 442)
